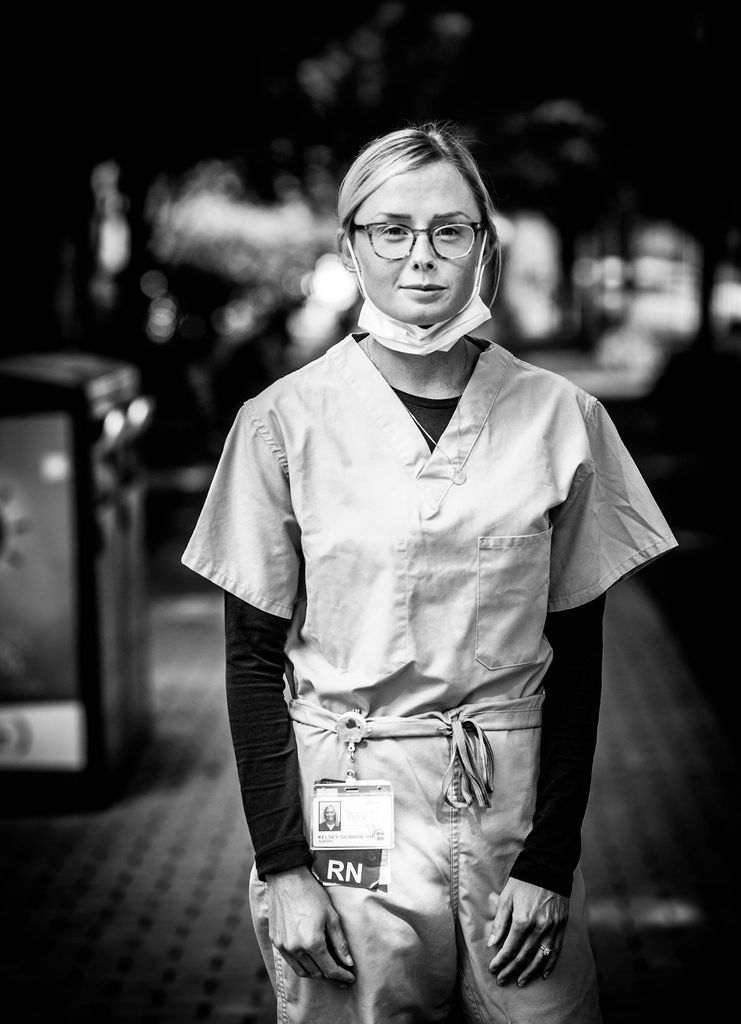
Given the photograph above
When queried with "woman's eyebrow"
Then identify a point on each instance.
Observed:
(435, 216)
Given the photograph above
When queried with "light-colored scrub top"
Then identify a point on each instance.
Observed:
(407, 592)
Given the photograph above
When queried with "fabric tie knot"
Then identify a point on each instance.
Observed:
(471, 766)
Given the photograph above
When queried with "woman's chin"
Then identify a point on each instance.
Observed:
(421, 317)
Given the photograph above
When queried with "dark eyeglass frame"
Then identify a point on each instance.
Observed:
(414, 232)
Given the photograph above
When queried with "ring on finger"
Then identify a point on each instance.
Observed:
(545, 950)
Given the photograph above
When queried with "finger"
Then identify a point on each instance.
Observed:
(338, 945)
(538, 960)
(519, 961)
(501, 924)
(319, 967)
(325, 959)
(310, 965)
(294, 964)
(330, 969)
(513, 943)
(551, 961)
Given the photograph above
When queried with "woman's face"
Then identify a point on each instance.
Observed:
(329, 814)
(423, 288)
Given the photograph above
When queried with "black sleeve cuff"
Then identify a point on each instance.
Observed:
(546, 877)
(277, 857)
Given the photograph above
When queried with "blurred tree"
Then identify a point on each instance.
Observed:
(573, 109)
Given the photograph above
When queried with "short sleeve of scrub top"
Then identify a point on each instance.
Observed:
(246, 539)
(609, 526)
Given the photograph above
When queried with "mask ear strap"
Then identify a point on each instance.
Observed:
(498, 251)
(361, 286)
(480, 268)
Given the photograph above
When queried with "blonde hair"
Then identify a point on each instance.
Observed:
(406, 150)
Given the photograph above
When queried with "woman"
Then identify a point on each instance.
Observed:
(330, 821)
(420, 529)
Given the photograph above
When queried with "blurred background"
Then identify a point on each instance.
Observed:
(172, 187)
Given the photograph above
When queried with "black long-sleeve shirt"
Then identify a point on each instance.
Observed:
(265, 751)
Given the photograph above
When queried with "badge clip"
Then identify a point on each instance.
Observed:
(352, 728)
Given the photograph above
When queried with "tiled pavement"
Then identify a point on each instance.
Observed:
(138, 912)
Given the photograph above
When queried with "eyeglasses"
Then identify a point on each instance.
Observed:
(396, 241)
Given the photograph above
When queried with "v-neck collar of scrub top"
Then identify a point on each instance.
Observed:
(433, 470)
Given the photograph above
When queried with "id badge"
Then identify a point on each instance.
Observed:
(353, 815)
(352, 832)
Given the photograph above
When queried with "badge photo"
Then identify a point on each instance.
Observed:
(355, 816)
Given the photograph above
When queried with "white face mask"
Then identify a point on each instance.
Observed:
(420, 341)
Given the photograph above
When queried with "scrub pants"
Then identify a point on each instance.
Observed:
(420, 948)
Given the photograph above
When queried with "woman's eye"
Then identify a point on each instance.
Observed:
(449, 231)
(393, 231)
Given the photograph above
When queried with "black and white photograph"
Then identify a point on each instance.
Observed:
(369, 404)
(330, 819)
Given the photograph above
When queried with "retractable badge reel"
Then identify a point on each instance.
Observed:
(352, 729)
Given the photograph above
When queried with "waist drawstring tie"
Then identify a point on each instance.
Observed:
(469, 777)
(472, 754)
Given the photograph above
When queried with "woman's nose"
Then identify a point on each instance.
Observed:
(422, 254)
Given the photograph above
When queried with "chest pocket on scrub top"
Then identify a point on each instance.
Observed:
(512, 598)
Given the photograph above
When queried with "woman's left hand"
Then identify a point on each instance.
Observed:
(529, 920)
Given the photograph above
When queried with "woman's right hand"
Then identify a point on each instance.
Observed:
(306, 929)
